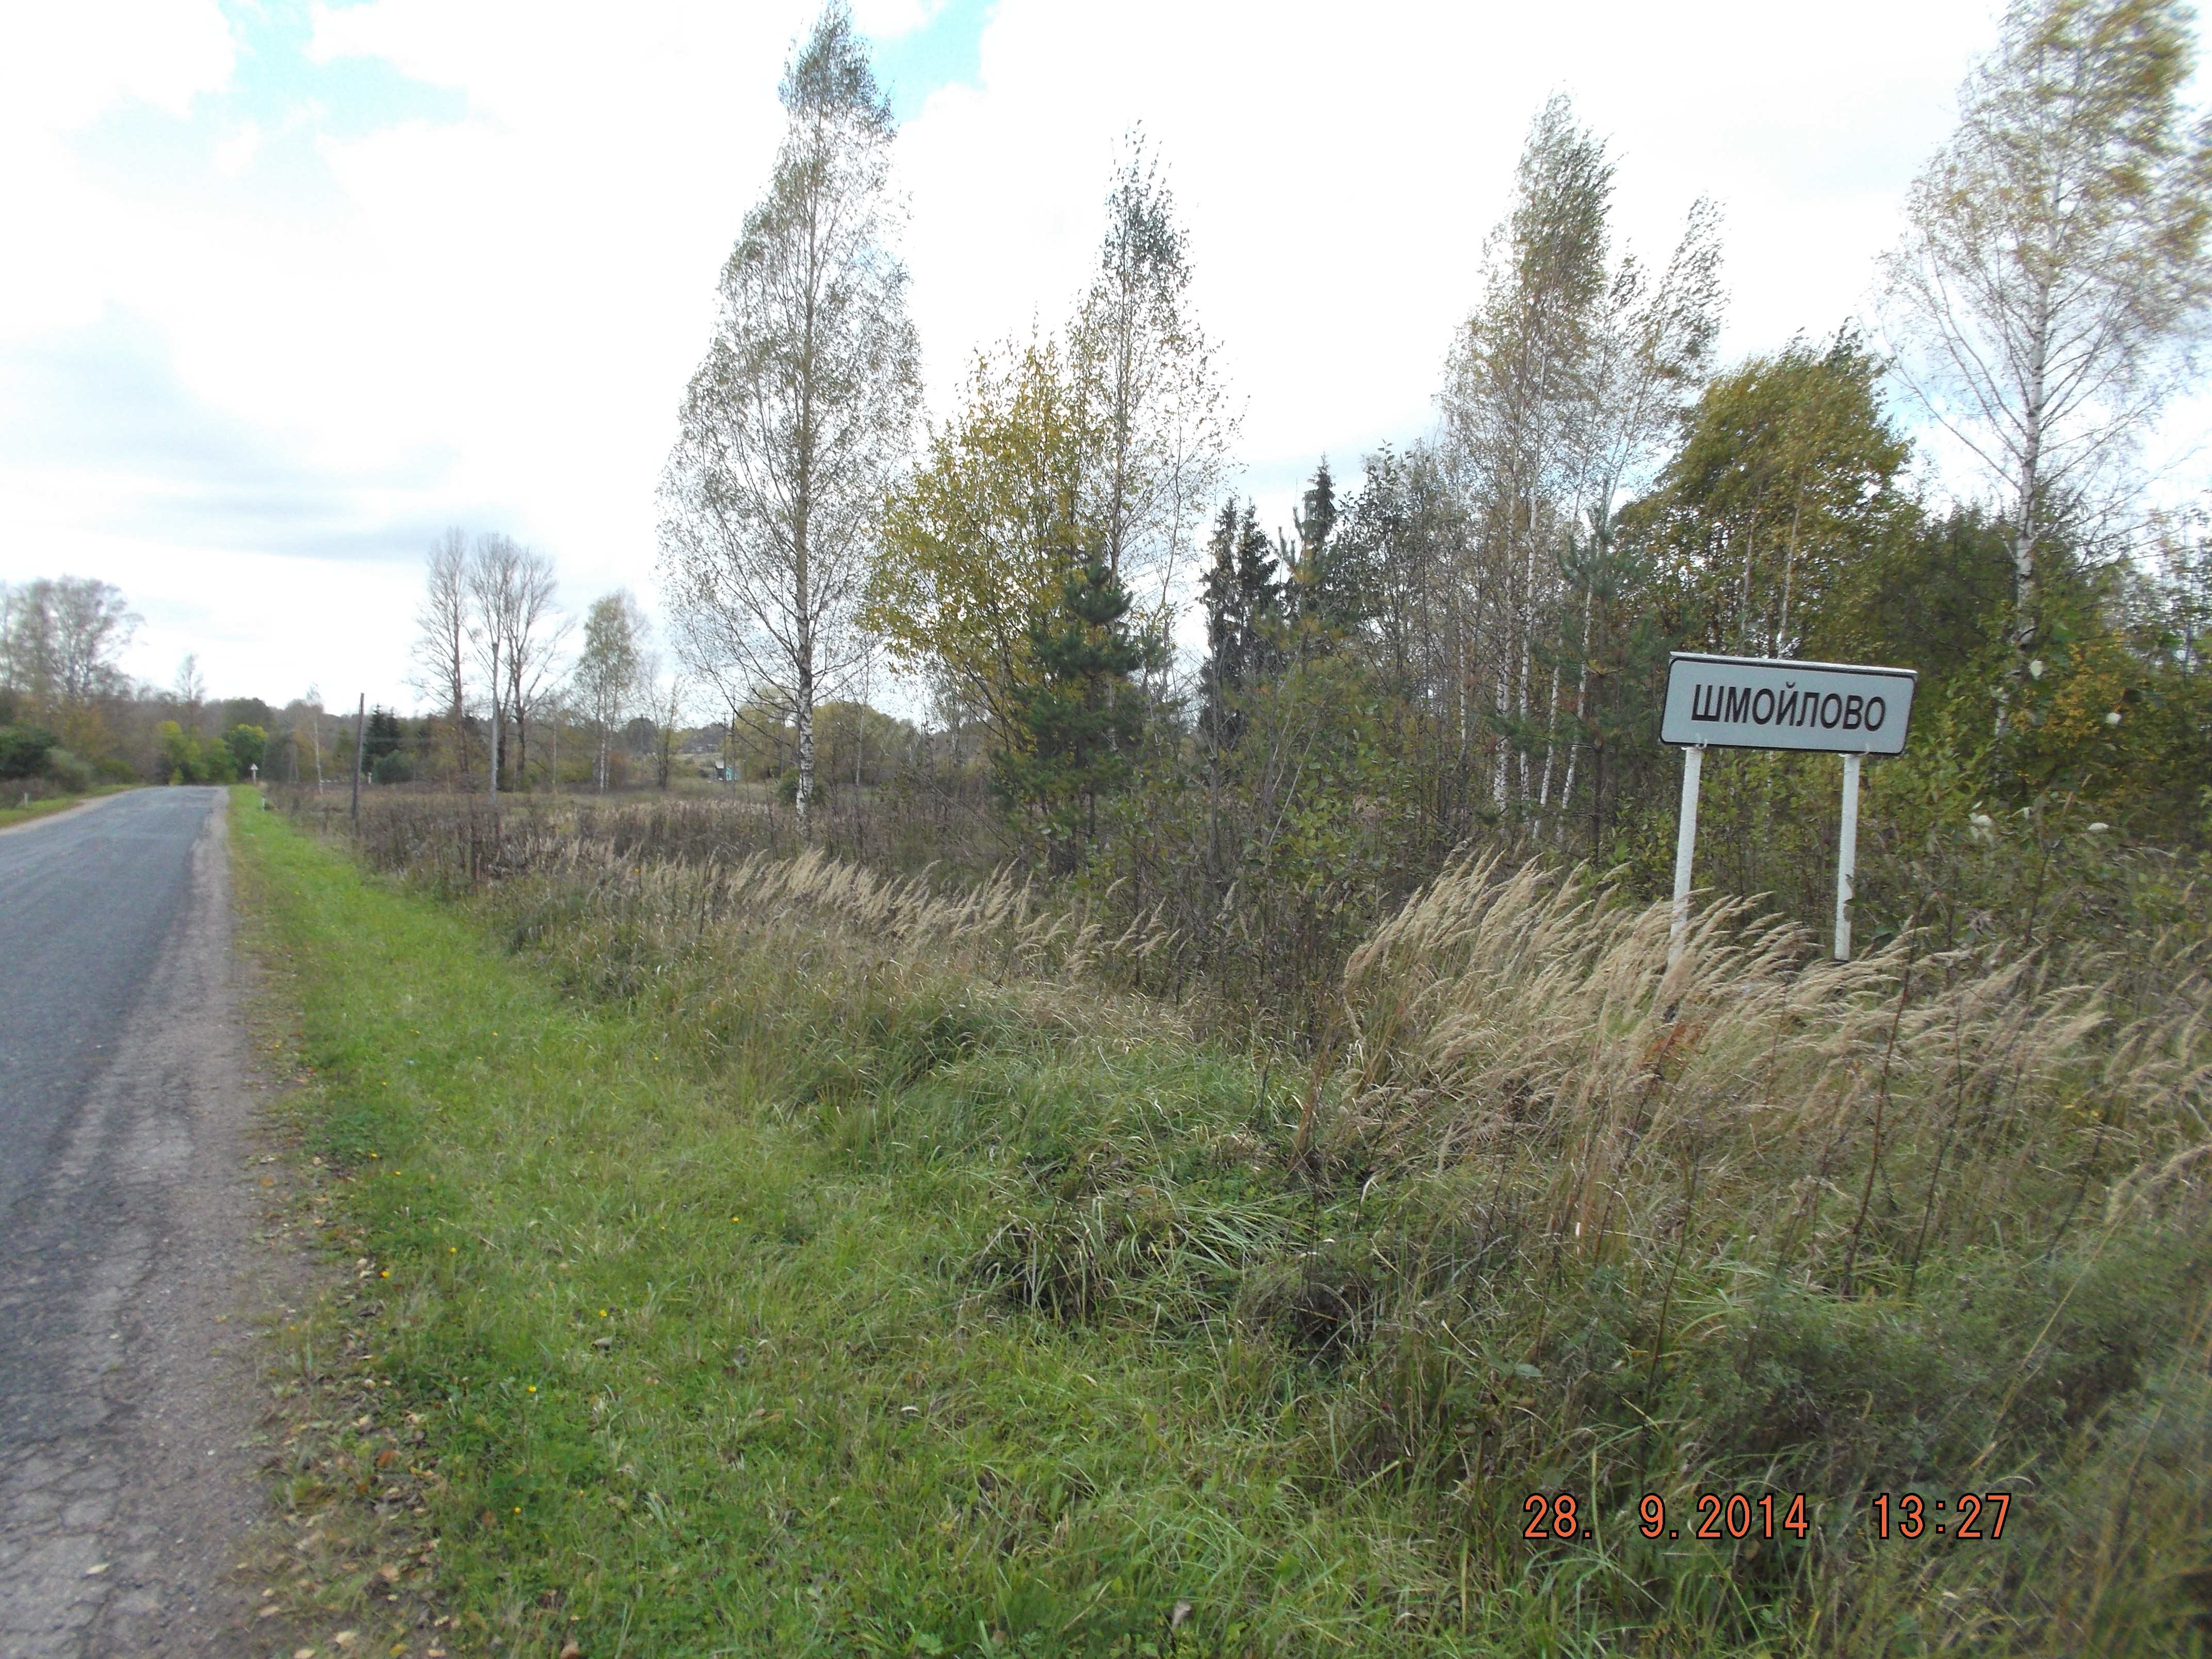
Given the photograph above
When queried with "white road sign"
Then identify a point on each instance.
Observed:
(1764, 702)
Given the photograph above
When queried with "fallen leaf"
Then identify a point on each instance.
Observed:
(270, 1611)
(570, 1650)
(1182, 1612)
(95, 1570)
(344, 1638)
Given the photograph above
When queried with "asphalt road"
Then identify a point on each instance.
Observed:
(85, 903)
(126, 1388)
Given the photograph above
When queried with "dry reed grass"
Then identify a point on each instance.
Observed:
(1756, 1221)
(1530, 1016)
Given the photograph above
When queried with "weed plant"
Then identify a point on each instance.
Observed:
(965, 1294)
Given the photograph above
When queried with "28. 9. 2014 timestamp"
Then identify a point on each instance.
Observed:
(1717, 1517)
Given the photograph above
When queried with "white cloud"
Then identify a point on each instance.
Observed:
(61, 68)
(486, 313)
(62, 65)
(1338, 176)
(887, 20)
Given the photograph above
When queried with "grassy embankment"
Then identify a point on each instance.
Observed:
(22, 811)
(766, 1259)
(697, 1374)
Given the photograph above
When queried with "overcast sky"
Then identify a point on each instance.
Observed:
(291, 287)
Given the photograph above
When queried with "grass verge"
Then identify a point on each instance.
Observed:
(21, 811)
(761, 1258)
(687, 1378)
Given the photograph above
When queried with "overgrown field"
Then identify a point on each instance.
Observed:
(784, 1259)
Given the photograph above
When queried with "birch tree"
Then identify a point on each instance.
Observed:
(1155, 432)
(536, 631)
(494, 572)
(2051, 280)
(441, 645)
(59, 639)
(1652, 348)
(1512, 389)
(796, 424)
(608, 669)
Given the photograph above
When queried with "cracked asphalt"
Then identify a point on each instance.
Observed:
(127, 1392)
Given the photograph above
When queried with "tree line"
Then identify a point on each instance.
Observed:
(1467, 641)
(71, 719)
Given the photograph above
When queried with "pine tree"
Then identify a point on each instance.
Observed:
(1081, 719)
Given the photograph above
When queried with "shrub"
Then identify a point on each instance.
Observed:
(72, 771)
(24, 750)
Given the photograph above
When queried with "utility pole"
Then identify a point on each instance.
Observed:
(494, 767)
(360, 750)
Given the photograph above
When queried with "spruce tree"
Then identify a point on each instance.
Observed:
(1219, 674)
(1242, 597)
(1328, 588)
(1260, 593)
(1081, 719)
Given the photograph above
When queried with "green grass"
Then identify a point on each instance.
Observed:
(734, 1273)
(708, 1381)
(16, 812)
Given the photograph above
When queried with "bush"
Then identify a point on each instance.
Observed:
(394, 768)
(72, 771)
(24, 750)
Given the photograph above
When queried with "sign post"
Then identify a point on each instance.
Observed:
(1847, 858)
(1765, 703)
(1686, 846)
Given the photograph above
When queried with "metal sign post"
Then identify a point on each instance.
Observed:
(1766, 702)
(1686, 846)
(1847, 857)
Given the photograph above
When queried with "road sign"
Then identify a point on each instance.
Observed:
(1768, 703)
(1762, 702)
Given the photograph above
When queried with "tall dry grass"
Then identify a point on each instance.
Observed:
(1857, 1114)
(1929, 1221)
(1545, 1213)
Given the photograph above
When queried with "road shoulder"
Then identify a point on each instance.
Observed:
(39, 818)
